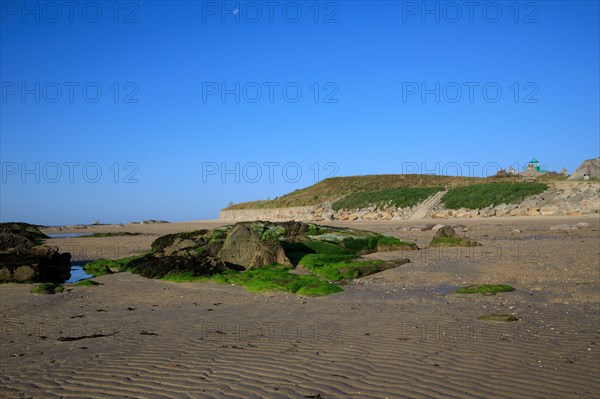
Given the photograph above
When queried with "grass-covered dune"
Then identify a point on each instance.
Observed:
(337, 188)
(401, 191)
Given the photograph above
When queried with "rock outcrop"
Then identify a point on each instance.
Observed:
(24, 259)
(249, 248)
(251, 245)
(447, 237)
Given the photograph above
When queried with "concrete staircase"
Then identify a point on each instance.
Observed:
(427, 205)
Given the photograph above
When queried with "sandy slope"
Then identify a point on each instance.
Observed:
(398, 334)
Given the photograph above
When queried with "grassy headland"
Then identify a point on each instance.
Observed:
(336, 188)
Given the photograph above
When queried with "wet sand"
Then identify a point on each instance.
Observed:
(397, 334)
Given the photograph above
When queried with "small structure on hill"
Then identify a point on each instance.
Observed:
(532, 171)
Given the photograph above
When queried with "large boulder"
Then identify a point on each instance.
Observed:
(249, 247)
(23, 259)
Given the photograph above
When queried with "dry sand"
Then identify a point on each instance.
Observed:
(397, 334)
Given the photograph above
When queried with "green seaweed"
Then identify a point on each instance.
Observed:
(102, 266)
(47, 289)
(85, 283)
(280, 231)
(277, 278)
(216, 235)
(499, 317)
(339, 267)
(315, 230)
(485, 289)
(338, 261)
(269, 235)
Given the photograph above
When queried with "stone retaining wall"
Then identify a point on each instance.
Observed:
(300, 213)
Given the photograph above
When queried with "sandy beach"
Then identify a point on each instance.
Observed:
(401, 333)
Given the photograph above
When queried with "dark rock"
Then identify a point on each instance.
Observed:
(152, 221)
(152, 266)
(22, 259)
(15, 242)
(365, 270)
(29, 231)
(40, 264)
(170, 239)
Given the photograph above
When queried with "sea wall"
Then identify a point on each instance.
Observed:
(301, 213)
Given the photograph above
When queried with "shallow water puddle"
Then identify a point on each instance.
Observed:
(77, 273)
(68, 235)
(445, 289)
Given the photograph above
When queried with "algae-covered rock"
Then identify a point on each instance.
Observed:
(365, 269)
(247, 247)
(169, 240)
(23, 259)
(29, 231)
(152, 266)
(329, 252)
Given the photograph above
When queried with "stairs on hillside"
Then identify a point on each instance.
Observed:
(427, 205)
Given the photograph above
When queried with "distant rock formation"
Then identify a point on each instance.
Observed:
(590, 167)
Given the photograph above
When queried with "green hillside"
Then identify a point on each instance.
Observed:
(337, 188)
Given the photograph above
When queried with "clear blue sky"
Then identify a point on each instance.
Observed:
(162, 117)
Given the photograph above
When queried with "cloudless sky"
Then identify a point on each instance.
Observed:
(123, 111)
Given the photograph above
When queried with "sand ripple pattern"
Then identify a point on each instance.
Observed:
(153, 339)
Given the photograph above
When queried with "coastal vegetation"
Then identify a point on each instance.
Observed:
(337, 188)
(480, 196)
(398, 197)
